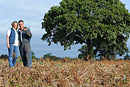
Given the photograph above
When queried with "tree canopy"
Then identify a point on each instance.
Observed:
(102, 25)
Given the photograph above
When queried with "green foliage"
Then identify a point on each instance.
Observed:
(4, 56)
(48, 55)
(67, 58)
(103, 25)
(84, 52)
(33, 55)
(19, 60)
(127, 57)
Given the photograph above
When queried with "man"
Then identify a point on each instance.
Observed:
(25, 48)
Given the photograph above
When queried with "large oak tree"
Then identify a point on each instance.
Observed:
(102, 25)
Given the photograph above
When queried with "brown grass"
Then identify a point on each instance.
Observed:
(66, 73)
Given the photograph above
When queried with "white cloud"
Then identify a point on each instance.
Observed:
(31, 11)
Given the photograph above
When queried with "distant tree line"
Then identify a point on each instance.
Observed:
(4, 56)
(52, 57)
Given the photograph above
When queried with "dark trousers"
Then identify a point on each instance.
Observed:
(26, 54)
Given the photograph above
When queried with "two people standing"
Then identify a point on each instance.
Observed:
(19, 39)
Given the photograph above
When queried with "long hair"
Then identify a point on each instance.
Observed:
(14, 23)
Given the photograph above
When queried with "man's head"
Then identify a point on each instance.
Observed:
(21, 24)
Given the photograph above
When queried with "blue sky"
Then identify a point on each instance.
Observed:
(32, 12)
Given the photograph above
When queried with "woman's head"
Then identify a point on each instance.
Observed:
(14, 25)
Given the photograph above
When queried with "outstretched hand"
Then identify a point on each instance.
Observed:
(25, 29)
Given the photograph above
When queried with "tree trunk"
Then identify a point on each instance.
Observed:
(90, 49)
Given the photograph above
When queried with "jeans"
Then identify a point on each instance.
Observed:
(12, 61)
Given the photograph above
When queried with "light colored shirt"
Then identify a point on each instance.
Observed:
(21, 35)
(16, 37)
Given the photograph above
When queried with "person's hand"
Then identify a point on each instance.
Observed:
(25, 28)
(8, 46)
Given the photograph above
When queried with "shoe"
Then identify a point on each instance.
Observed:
(28, 67)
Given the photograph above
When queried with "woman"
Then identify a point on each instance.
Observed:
(12, 43)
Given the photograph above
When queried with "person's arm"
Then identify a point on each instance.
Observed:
(28, 32)
(8, 42)
(7, 38)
